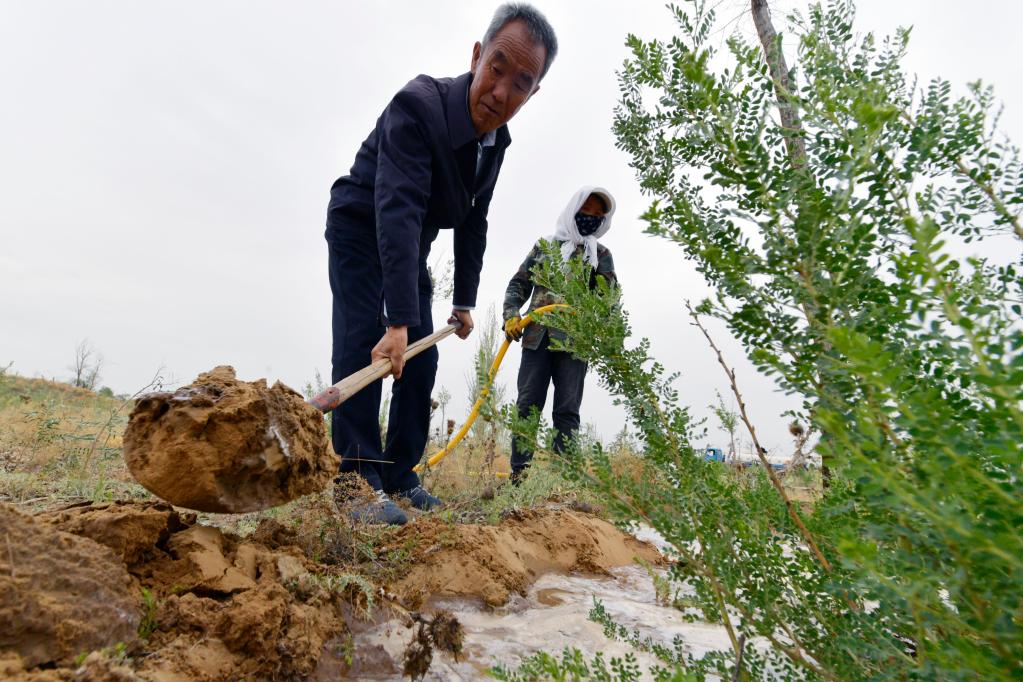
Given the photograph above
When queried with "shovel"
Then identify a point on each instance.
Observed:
(332, 396)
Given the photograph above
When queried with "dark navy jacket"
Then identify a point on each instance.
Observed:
(414, 175)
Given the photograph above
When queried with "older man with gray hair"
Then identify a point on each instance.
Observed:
(430, 163)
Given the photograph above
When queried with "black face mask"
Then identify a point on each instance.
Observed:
(588, 224)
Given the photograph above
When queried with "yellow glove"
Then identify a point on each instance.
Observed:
(511, 328)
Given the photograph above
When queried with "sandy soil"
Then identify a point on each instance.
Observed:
(186, 601)
(224, 445)
(60, 594)
(492, 563)
(211, 606)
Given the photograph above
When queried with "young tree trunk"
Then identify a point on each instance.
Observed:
(782, 85)
(793, 127)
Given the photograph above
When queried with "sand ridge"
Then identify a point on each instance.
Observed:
(490, 563)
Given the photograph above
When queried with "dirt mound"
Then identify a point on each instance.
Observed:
(207, 605)
(224, 445)
(60, 595)
(187, 601)
(493, 562)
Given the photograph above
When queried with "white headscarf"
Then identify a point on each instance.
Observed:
(568, 233)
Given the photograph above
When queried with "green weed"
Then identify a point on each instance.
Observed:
(150, 606)
(572, 667)
(353, 588)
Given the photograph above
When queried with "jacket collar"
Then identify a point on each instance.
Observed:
(460, 128)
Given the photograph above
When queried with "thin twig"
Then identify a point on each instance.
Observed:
(30, 501)
(996, 201)
(156, 381)
(793, 514)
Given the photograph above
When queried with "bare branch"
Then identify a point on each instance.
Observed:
(789, 507)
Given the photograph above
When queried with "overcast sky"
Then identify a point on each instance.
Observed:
(165, 170)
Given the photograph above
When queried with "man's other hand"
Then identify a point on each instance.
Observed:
(512, 332)
(465, 317)
(392, 346)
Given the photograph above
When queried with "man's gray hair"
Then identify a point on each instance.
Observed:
(536, 23)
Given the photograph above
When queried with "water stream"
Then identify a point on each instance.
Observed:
(553, 615)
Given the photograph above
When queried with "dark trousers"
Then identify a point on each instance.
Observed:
(536, 372)
(356, 282)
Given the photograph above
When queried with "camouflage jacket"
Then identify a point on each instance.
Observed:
(521, 286)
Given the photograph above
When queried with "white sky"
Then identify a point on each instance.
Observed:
(165, 170)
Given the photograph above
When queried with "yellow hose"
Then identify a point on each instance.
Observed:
(484, 392)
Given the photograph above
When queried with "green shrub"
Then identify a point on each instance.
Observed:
(842, 249)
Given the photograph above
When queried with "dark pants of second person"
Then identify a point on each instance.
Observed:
(356, 282)
(539, 368)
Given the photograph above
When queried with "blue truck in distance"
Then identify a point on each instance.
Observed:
(717, 455)
(713, 455)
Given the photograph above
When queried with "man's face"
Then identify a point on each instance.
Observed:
(505, 75)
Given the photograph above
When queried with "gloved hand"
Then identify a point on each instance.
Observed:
(511, 328)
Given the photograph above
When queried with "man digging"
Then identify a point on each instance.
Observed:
(431, 163)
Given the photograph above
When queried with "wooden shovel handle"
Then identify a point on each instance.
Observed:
(333, 396)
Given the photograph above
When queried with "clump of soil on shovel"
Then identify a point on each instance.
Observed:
(228, 446)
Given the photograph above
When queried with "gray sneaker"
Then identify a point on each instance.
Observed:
(420, 499)
(379, 510)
